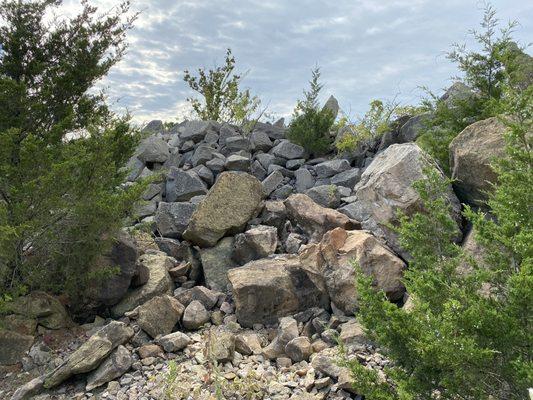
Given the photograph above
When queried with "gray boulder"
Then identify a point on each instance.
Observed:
(288, 150)
(331, 167)
(332, 105)
(304, 180)
(175, 341)
(325, 195)
(386, 189)
(153, 150)
(195, 130)
(260, 141)
(271, 182)
(237, 163)
(347, 178)
(183, 185)
(171, 219)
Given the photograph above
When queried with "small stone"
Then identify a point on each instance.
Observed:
(195, 315)
(174, 342)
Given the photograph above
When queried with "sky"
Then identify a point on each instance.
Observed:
(366, 49)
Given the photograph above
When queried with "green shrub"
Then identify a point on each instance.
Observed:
(61, 151)
(310, 126)
(486, 72)
(458, 340)
(378, 120)
(222, 98)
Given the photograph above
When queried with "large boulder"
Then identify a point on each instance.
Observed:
(386, 189)
(159, 282)
(195, 130)
(314, 219)
(46, 309)
(159, 315)
(233, 200)
(153, 149)
(340, 249)
(123, 254)
(216, 262)
(471, 155)
(183, 185)
(13, 346)
(267, 289)
(91, 353)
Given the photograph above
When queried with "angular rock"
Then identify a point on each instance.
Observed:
(332, 167)
(123, 254)
(271, 182)
(202, 154)
(232, 201)
(304, 180)
(150, 350)
(159, 315)
(352, 333)
(183, 185)
(333, 106)
(195, 315)
(174, 342)
(115, 366)
(299, 349)
(208, 298)
(325, 195)
(314, 219)
(260, 141)
(171, 219)
(347, 178)
(237, 163)
(258, 242)
(237, 143)
(386, 189)
(158, 283)
(91, 353)
(471, 154)
(258, 171)
(274, 214)
(266, 289)
(46, 309)
(29, 390)
(247, 344)
(216, 262)
(287, 331)
(216, 165)
(222, 345)
(340, 248)
(13, 346)
(153, 150)
(195, 130)
(288, 150)
(273, 131)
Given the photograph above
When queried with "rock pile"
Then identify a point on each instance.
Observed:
(247, 275)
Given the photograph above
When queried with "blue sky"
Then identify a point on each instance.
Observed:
(366, 48)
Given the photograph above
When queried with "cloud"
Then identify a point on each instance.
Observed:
(367, 49)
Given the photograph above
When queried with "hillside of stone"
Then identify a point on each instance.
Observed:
(236, 275)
